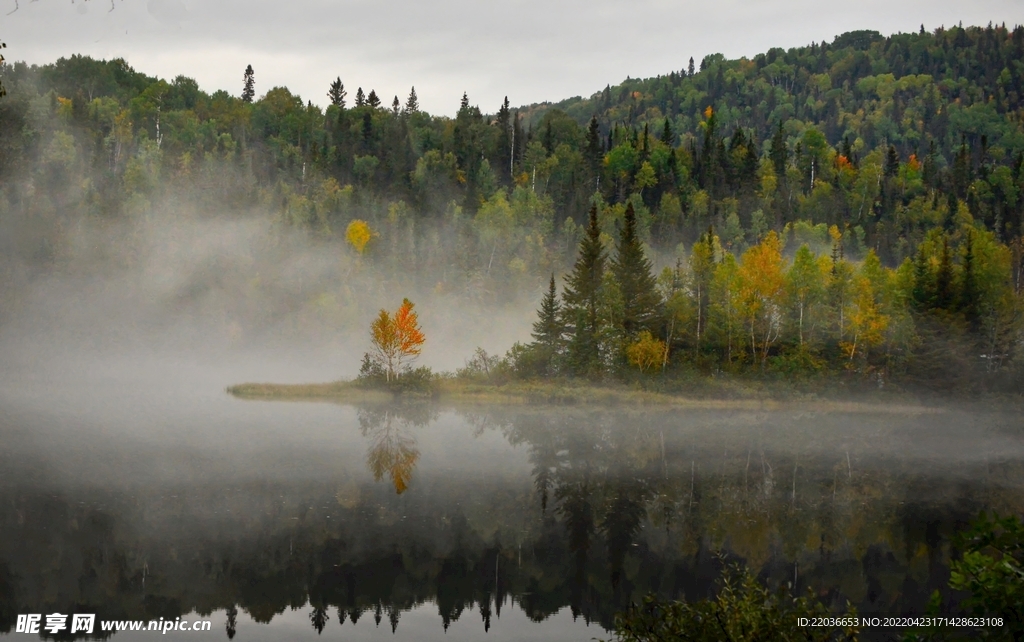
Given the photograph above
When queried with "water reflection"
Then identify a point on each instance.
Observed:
(392, 450)
(573, 509)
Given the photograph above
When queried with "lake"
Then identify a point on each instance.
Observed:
(137, 495)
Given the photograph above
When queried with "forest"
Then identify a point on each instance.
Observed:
(850, 208)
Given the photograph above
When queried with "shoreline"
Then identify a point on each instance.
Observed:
(572, 394)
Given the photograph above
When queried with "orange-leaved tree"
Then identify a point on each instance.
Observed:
(397, 339)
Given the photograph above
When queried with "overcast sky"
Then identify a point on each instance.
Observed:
(529, 50)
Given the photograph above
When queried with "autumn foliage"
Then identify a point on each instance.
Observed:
(397, 339)
(358, 235)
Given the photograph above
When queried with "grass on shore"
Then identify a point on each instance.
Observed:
(575, 393)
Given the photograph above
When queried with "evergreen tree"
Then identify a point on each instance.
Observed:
(581, 302)
(667, 135)
(549, 329)
(464, 103)
(922, 293)
(969, 299)
(412, 104)
(892, 162)
(633, 274)
(360, 98)
(337, 93)
(372, 100)
(249, 88)
(944, 295)
(689, 68)
(778, 153)
(396, 107)
(594, 153)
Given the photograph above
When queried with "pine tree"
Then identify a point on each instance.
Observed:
(249, 88)
(944, 296)
(464, 103)
(372, 100)
(667, 135)
(969, 300)
(337, 93)
(412, 104)
(581, 302)
(892, 161)
(778, 152)
(689, 68)
(396, 107)
(633, 274)
(593, 150)
(922, 293)
(360, 98)
(549, 329)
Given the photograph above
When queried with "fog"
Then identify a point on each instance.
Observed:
(178, 297)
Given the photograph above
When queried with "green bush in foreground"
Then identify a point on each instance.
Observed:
(991, 570)
(743, 610)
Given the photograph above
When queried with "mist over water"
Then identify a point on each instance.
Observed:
(133, 486)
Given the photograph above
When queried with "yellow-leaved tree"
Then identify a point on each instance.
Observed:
(762, 286)
(646, 352)
(397, 339)
(358, 235)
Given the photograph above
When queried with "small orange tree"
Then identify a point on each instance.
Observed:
(397, 339)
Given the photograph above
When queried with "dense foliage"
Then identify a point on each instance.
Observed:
(845, 206)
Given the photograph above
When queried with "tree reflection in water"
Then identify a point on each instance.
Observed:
(601, 509)
(392, 450)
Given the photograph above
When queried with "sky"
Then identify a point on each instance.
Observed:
(529, 50)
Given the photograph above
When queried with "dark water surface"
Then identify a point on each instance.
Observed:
(157, 495)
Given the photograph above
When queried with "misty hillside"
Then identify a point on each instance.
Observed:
(887, 169)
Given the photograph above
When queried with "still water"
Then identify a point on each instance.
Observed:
(138, 498)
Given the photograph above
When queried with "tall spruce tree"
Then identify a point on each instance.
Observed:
(372, 100)
(412, 104)
(944, 295)
(360, 97)
(337, 93)
(582, 301)
(594, 153)
(638, 289)
(549, 329)
(249, 86)
(969, 299)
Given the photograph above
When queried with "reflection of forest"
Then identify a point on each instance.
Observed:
(620, 505)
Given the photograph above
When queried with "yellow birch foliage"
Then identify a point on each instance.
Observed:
(358, 235)
(646, 352)
(867, 323)
(397, 339)
(762, 285)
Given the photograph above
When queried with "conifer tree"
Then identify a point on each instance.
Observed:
(689, 68)
(581, 302)
(360, 97)
(922, 291)
(396, 106)
(667, 135)
(969, 300)
(412, 104)
(337, 93)
(249, 88)
(593, 150)
(633, 274)
(778, 152)
(892, 161)
(372, 100)
(549, 328)
(944, 295)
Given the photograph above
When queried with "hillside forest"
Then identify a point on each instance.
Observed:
(851, 207)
